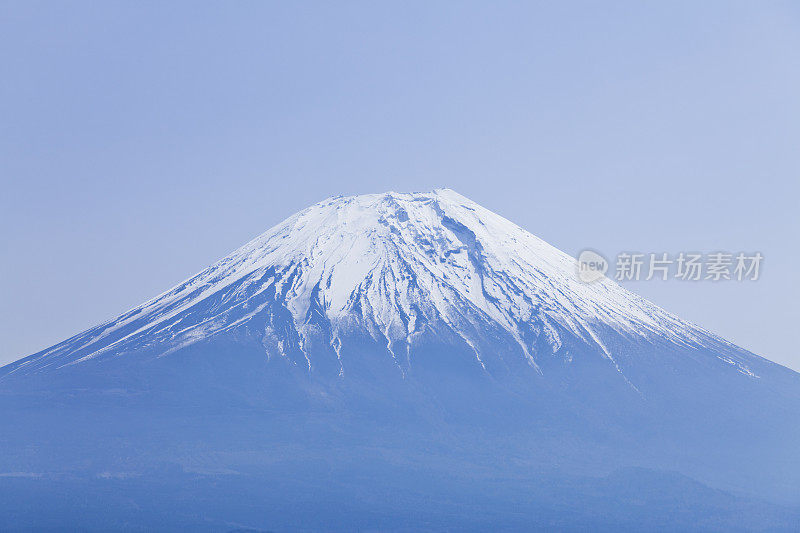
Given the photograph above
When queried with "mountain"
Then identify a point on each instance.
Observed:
(383, 361)
(402, 269)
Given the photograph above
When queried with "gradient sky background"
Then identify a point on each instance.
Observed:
(140, 142)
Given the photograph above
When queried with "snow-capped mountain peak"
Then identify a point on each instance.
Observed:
(394, 266)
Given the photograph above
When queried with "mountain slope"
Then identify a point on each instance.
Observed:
(375, 353)
(399, 267)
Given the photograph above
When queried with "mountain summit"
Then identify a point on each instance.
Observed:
(398, 362)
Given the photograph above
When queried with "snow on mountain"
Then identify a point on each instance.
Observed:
(398, 266)
(408, 346)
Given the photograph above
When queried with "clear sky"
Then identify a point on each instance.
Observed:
(140, 142)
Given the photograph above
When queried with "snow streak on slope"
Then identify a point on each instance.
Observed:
(393, 265)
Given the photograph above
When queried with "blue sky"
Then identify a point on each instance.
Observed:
(140, 142)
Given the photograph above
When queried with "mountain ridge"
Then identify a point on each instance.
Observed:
(395, 265)
(412, 356)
